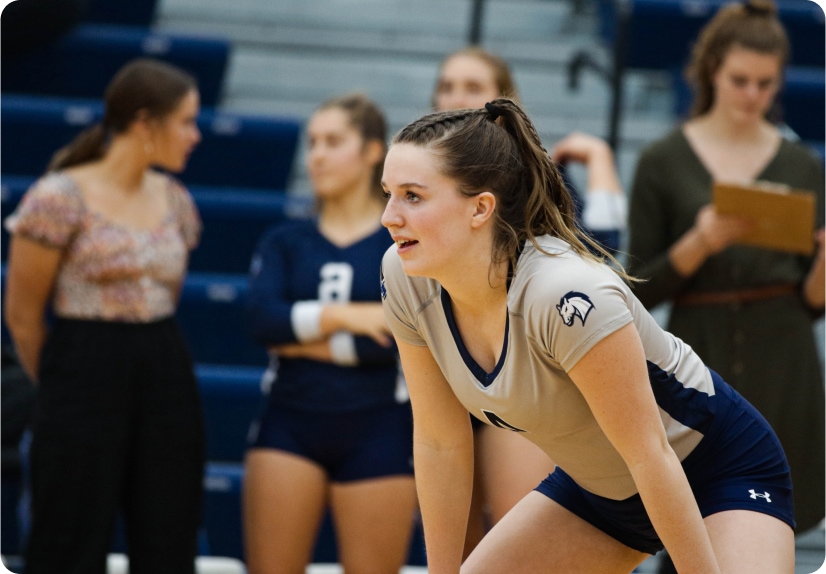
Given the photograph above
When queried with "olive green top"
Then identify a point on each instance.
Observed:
(764, 349)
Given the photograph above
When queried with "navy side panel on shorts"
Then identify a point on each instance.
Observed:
(739, 464)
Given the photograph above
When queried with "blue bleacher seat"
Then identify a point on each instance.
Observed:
(80, 64)
(234, 221)
(222, 509)
(237, 150)
(211, 302)
(132, 13)
(802, 100)
(211, 316)
(661, 31)
(232, 400)
(659, 34)
(243, 150)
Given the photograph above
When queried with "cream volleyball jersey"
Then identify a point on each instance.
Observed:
(559, 307)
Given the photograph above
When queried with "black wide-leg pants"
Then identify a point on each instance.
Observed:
(117, 427)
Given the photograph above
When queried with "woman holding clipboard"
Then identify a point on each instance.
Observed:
(747, 311)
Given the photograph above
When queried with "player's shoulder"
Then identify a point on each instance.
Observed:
(555, 261)
(557, 274)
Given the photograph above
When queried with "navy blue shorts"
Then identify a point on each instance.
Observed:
(739, 465)
(349, 446)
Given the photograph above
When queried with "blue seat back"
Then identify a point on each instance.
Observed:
(211, 316)
(243, 150)
(803, 97)
(132, 13)
(802, 100)
(81, 64)
(662, 31)
(232, 399)
(237, 150)
(222, 509)
(234, 221)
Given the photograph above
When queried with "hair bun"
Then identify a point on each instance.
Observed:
(760, 7)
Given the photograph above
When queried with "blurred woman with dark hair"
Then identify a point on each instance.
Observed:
(103, 239)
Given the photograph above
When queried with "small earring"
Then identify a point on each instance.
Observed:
(148, 147)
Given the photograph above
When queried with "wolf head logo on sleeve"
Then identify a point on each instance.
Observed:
(574, 304)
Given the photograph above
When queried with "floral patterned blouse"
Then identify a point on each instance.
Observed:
(108, 271)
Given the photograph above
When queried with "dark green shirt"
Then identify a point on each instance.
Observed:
(764, 349)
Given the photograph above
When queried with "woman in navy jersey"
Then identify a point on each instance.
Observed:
(337, 431)
(500, 308)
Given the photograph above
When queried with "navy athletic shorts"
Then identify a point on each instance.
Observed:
(739, 464)
(349, 446)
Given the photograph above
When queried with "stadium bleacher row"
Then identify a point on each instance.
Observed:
(659, 35)
(238, 179)
(240, 174)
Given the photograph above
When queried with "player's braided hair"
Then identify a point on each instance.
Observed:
(497, 149)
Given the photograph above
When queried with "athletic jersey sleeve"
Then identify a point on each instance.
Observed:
(398, 300)
(578, 305)
(268, 312)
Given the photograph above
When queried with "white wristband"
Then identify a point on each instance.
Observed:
(343, 349)
(305, 318)
(605, 210)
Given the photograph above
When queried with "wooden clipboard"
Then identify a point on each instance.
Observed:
(784, 218)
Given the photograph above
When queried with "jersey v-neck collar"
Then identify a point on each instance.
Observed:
(478, 372)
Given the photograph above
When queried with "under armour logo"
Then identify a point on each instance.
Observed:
(756, 495)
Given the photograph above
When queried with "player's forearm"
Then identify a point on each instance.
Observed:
(444, 480)
(670, 504)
